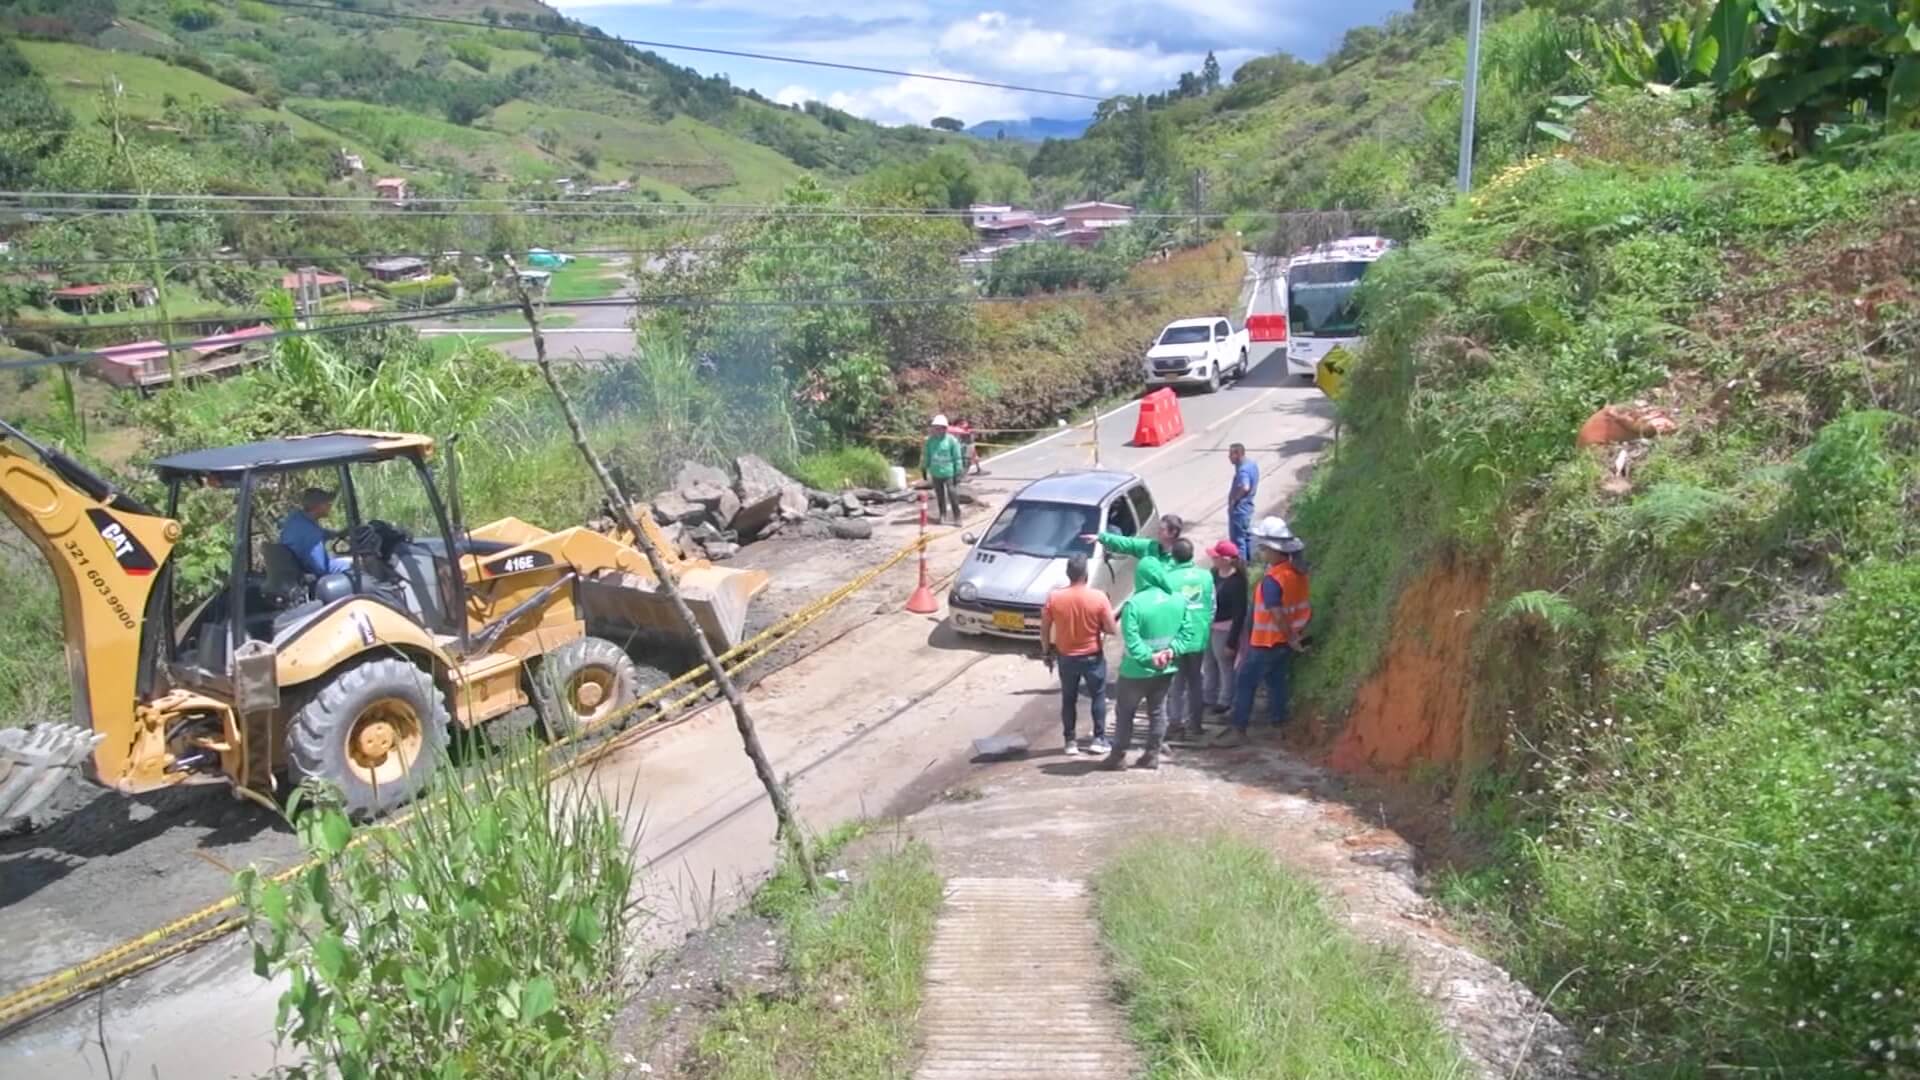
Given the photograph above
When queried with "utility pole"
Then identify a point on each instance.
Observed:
(1469, 89)
(790, 826)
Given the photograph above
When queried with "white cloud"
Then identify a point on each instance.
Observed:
(916, 101)
(1093, 47)
(796, 94)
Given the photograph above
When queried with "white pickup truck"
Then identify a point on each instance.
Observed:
(1197, 352)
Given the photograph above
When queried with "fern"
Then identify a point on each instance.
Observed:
(1546, 610)
(1669, 511)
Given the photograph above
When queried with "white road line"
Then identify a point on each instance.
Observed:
(1045, 439)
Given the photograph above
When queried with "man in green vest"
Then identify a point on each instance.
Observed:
(1149, 625)
(1192, 585)
(943, 459)
(1150, 550)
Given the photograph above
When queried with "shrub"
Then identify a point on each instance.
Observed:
(849, 466)
(237, 77)
(439, 289)
(192, 62)
(1849, 487)
(254, 12)
(485, 937)
(192, 14)
(472, 53)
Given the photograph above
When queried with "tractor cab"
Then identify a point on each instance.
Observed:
(382, 534)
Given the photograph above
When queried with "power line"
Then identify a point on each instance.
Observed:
(1043, 276)
(246, 258)
(569, 209)
(643, 44)
(636, 303)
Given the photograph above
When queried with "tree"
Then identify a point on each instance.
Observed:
(947, 123)
(1210, 74)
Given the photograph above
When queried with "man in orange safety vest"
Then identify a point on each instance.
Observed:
(1277, 629)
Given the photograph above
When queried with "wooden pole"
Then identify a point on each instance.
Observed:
(789, 824)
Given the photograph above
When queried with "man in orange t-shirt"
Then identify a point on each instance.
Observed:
(1074, 624)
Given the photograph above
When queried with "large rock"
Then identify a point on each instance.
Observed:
(756, 514)
(759, 479)
(851, 528)
(720, 503)
(692, 472)
(721, 549)
(850, 502)
(673, 508)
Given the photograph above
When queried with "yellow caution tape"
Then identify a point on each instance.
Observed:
(132, 956)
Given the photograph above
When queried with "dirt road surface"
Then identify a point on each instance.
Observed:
(884, 710)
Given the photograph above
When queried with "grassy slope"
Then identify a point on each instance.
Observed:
(682, 152)
(74, 74)
(1232, 967)
(854, 965)
(1347, 139)
(587, 109)
(1698, 682)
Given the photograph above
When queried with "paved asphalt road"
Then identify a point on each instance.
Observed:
(861, 725)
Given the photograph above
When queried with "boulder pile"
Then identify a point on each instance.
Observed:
(711, 514)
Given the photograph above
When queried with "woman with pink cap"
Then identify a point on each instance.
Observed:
(1229, 625)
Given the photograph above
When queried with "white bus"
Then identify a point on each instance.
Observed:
(1321, 308)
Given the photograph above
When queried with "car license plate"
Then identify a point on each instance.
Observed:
(1009, 620)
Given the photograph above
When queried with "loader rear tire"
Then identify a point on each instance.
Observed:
(376, 730)
(582, 685)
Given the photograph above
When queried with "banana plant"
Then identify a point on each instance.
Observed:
(1828, 69)
(1806, 72)
(1702, 47)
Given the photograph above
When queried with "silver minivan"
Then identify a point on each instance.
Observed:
(1023, 555)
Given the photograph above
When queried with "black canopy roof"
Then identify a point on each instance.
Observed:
(297, 452)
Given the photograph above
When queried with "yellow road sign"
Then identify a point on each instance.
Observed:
(1330, 375)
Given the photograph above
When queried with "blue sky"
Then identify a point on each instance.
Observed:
(1088, 46)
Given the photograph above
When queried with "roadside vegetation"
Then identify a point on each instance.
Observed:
(853, 965)
(1230, 966)
(1692, 712)
(487, 936)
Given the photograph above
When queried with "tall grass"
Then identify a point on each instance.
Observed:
(485, 937)
(854, 965)
(1232, 968)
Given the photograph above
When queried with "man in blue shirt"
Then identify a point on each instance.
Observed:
(1246, 481)
(302, 533)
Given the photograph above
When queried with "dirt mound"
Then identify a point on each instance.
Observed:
(1414, 708)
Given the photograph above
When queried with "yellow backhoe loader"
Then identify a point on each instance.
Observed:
(356, 675)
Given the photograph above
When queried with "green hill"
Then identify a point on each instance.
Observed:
(1375, 125)
(502, 106)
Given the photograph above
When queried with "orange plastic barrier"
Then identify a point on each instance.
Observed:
(1267, 328)
(1160, 421)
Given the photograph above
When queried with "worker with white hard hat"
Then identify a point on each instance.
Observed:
(943, 460)
(1275, 632)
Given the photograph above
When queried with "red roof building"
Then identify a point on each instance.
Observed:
(140, 365)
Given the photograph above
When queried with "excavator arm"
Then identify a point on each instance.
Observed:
(106, 551)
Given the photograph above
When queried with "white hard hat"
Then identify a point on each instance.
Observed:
(1273, 532)
(939, 420)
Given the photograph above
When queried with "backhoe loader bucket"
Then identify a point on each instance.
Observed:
(718, 599)
(617, 585)
(34, 762)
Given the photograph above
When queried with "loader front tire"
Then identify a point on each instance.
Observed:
(583, 684)
(376, 730)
